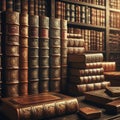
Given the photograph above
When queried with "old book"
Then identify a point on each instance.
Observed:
(113, 91)
(41, 106)
(17, 5)
(99, 97)
(76, 50)
(89, 113)
(31, 7)
(9, 5)
(85, 72)
(113, 107)
(86, 58)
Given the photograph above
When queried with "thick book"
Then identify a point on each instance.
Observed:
(89, 113)
(113, 107)
(113, 91)
(41, 106)
(99, 97)
(86, 58)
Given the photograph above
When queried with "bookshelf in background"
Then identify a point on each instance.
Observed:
(99, 19)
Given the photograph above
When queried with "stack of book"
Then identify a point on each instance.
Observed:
(23, 60)
(0, 55)
(55, 55)
(63, 54)
(43, 53)
(85, 73)
(33, 55)
(75, 42)
(10, 30)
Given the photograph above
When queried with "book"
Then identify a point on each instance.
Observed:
(113, 107)
(89, 113)
(113, 91)
(86, 58)
(99, 97)
(41, 106)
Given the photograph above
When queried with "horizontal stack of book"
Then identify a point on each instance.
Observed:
(85, 73)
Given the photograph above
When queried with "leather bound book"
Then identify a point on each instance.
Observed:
(23, 88)
(3, 2)
(36, 7)
(31, 7)
(17, 5)
(99, 97)
(9, 5)
(113, 107)
(89, 113)
(41, 106)
(85, 58)
(113, 91)
(24, 6)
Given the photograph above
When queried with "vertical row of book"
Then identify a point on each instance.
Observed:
(93, 39)
(80, 13)
(95, 2)
(34, 7)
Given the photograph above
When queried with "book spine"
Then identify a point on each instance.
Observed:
(33, 55)
(44, 53)
(75, 50)
(3, 5)
(36, 7)
(55, 55)
(23, 61)
(9, 5)
(10, 64)
(86, 79)
(17, 5)
(24, 6)
(63, 55)
(31, 7)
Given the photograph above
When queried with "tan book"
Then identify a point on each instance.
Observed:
(89, 113)
(40, 106)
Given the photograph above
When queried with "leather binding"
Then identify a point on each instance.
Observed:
(9, 5)
(3, 5)
(55, 51)
(31, 7)
(89, 113)
(23, 63)
(44, 54)
(17, 5)
(11, 53)
(33, 86)
(36, 7)
(24, 6)
(41, 106)
(33, 53)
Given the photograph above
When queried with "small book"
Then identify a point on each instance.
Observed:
(113, 91)
(89, 113)
(113, 107)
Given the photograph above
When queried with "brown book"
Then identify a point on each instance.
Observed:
(17, 5)
(113, 107)
(32, 106)
(89, 113)
(76, 50)
(86, 58)
(113, 91)
(99, 97)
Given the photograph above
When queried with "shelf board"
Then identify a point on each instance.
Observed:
(85, 4)
(86, 25)
(115, 29)
(114, 10)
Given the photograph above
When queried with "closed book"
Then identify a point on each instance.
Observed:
(113, 91)
(113, 107)
(86, 58)
(99, 97)
(41, 106)
(76, 50)
(89, 113)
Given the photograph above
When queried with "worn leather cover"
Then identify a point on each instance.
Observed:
(43, 105)
(89, 113)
